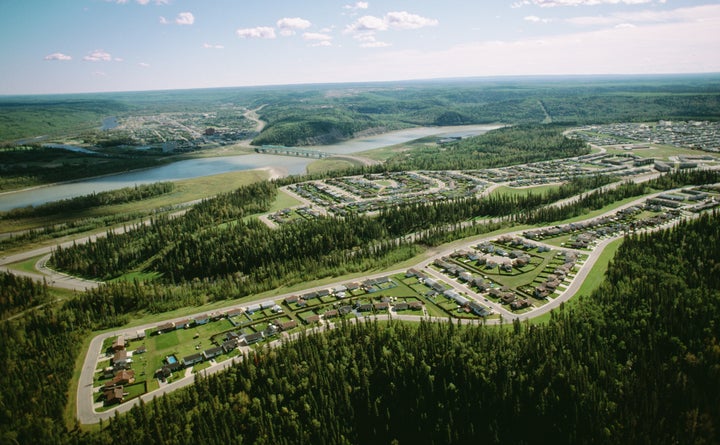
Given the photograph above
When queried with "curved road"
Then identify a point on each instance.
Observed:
(86, 414)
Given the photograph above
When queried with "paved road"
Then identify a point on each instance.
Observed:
(86, 413)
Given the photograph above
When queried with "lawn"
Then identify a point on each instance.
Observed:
(523, 191)
(662, 152)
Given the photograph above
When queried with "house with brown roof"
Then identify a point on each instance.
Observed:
(287, 325)
(119, 343)
(114, 395)
(121, 359)
(165, 327)
(123, 377)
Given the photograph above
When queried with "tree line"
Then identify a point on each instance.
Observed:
(635, 362)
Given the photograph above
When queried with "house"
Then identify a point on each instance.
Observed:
(382, 306)
(165, 327)
(401, 307)
(202, 319)
(332, 313)
(123, 377)
(541, 292)
(119, 343)
(312, 319)
(291, 299)
(121, 359)
(233, 313)
(212, 352)
(192, 359)
(341, 289)
(465, 276)
(229, 345)
(352, 286)
(114, 395)
(323, 292)
(519, 304)
(344, 310)
(412, 273)
(287, 325)
(277, 309)
(183, 324)
(367, 307)
(270, 331)
(252, 309)
(415, 305)
(459, 299)
(253, 338)
(479, 309)
(141, 350)
(310, 295)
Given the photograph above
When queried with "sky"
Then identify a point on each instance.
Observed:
(71, 46)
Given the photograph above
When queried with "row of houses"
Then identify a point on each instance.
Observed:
(437, 288)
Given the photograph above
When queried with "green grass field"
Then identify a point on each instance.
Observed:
(523, 191)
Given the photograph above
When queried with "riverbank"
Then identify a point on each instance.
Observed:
(199, 165)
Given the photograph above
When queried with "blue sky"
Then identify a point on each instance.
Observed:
(53, 46)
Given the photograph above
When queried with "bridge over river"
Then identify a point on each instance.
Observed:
(292, 151)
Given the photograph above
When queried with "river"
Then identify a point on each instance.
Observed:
(193, 168)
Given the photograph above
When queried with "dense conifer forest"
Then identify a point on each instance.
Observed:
(636, 362)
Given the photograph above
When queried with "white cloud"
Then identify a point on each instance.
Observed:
(391, 20)
(289, 25)
(535, 19)
(405, 20)
(357, 5)
(98, 56)
(695, 14)
(185, 18)
(673, 47)
(556, 3)
(316, 36)
(144, 65)
(318, 39)
(58, 56)
(367, 39)
(163, 21)
(260, 32)
(211, 46)
(143, 2)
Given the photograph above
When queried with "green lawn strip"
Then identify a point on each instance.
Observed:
(329, 165)
(27, 265)
(523, 191)
(593, 279)
(598, 212)
(283, 201)
(664, 152)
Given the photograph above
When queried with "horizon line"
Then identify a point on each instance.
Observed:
(508, 77)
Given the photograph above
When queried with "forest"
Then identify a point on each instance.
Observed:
(505, 146)
(213, 242)
(635, 362)
(323, 114)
